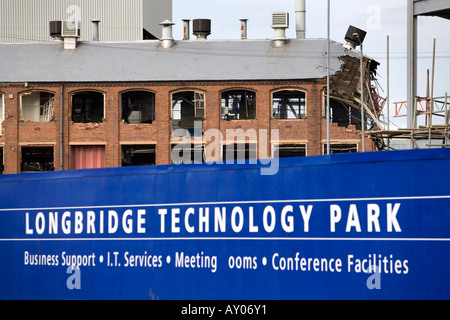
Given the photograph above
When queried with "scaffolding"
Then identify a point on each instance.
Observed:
(428, 135)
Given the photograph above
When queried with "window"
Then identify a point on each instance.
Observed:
(87, 107)
(239, 151)
(187, 107)
(188, 153)
(36, 159)
(289, 104)
(138, 107)
(37, 106)
(290, 150)
(87, 157)
(341, 148)
(238, 105)
(344, 114)
(140, 155)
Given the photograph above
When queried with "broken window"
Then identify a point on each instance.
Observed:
(238, 105)
(239, 151)
(140, 155)
(290, 150)
(88, 107)
(87, 157)
(138, 107)
(37, 106)
(37, 159)
(188, 153)
(341, 148)
(344, 114)
(289, 104)
(187, 107)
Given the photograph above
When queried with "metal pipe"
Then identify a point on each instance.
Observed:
(432, 83)
(446, 109)
(243, 29)
(411, 64)
(388, 90)
(167, 40)
(328, 78)
(363, 129)
(186, 29)
(95, 30)
(300, 17)
(61, 130)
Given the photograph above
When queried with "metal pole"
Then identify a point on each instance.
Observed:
(432, 83)
(411, 64)
(388, 92)
(362, 100)
(328, 78)
(446, 109)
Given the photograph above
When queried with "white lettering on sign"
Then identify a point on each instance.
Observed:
(242, 218)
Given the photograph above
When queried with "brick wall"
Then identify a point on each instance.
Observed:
(113, 132)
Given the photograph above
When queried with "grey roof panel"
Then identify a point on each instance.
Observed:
(191, 60)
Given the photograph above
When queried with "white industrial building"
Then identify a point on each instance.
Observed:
(130, 20)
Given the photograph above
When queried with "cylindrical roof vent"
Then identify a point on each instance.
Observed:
(201, 28)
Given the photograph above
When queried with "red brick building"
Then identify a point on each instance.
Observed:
(118, 104)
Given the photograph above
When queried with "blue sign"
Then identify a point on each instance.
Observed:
(359, 226)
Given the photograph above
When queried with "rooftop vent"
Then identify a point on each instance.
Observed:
(354, 37)
(95, 30)
(56, 30)
(280, 22)
(167, 40)
(202, 28)
(71, 29)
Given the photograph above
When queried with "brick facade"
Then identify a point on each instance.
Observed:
(113, 132)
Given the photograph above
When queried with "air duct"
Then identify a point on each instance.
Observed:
(300, 16)
(280, 22)
(186, 29)
(202, 28)
(243, 28)
(70, 31)
(95, 30)
(167, 40)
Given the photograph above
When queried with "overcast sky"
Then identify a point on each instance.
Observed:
(379, 18)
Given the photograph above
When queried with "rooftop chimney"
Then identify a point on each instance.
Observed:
(95, 30)
(300, 16)
(186, 29)
(280, 22)
(202, 28)
(243, 29)
(167, 40)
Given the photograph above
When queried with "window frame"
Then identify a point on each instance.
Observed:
(301, 115)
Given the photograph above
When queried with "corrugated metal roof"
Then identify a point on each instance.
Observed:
(192, 60)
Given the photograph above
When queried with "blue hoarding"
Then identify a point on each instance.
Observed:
(359, 226)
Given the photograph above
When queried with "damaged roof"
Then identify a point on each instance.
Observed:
(192, 60)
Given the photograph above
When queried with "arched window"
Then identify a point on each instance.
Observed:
(37, 106)
(138, 107)
(238, 105)
(289, 104)
(187, 107)
(88, 107)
